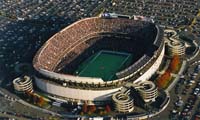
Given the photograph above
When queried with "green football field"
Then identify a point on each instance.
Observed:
(104, 64)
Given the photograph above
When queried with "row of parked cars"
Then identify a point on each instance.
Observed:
(186, 113)
(188, 108)
(188, 88)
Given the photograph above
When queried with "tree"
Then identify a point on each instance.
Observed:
(108, 108)
(35, 99)
(41, 101)
(89, 113)
(164, 79)
(82, 113)
(30, 96)
(101, 112)
(92, 108)
(174, 64)
(84, 108)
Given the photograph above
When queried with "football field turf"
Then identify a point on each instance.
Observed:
(104, 64)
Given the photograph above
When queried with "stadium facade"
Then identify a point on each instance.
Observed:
(68, 48)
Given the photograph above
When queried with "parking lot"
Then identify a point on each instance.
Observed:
(184, 104)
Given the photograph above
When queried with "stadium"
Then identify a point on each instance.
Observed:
(93, 58)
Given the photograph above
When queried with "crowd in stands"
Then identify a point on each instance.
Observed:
(85, 36)
(133, 68)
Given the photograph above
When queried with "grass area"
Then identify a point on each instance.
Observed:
(178, 68)
(169, 83)
(104, 64)
(175, 72)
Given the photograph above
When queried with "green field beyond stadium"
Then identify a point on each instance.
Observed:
(104, 64)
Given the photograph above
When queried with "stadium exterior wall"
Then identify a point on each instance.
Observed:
(66, 78)
(152, 69)
(75, 94)
(91, 95)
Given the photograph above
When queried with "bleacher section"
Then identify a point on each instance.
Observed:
(80, 40)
